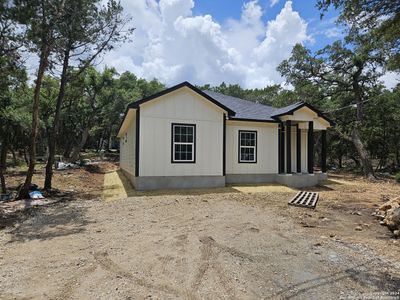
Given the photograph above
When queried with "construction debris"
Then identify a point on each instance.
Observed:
(65, 166)
(305, 199)
(36, 195)
(389, 214)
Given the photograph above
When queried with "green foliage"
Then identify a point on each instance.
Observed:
(371, 23)
(96, 101)
(397, 177)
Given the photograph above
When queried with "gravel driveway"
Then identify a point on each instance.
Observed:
(208, 245)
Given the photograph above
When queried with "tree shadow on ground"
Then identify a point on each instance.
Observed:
(44, 223)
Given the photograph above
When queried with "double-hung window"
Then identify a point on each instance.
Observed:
(247, 146)
(183, 143)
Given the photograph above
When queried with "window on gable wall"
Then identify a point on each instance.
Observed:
(183, 143)
(247, 146)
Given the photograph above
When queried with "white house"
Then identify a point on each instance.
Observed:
(183, 137)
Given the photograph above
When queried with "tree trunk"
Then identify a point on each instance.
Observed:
(3, 166)
(355, 133)
(67, 151)
(14, 156)
(77, 149)
(26, 157)
(24, 193)
(364, 155)
(53, 133)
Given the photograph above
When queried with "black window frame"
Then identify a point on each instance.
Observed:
(240, 161)
(173, 161)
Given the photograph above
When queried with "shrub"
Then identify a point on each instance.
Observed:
(397, 177)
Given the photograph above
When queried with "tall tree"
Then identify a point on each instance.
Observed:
(377, 20)
(12, 77)
(342, 71)
(86, 30)
(39, 18)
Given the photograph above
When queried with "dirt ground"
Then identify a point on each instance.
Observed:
(238, 242)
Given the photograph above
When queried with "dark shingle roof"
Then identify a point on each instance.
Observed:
(288, 109)
(244, 109)
(237, 109)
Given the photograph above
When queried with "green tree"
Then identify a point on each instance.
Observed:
(85, 31)
(12, 80)
(342, 75)
(376, 21)
(39, 19)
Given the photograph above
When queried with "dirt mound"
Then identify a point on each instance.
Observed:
(389, 214)
(101, 167)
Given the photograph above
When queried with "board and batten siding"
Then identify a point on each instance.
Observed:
(267, 148)
(186, 107)
(127, 148)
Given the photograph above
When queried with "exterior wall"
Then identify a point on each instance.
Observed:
(127, 148)
(267, 148)
(180, 106)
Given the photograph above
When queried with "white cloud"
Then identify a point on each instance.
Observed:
(173, 45)
(333, 32)
(390, 79)
(273, 2)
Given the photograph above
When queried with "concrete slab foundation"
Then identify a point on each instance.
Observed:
(144, 183)
(297, 180)
(249, 178)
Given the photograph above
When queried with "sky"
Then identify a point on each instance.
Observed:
(215, 41)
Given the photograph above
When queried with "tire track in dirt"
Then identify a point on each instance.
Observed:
(210, 251)
(71, 284)
(106, 263)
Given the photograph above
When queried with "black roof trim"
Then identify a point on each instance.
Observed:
(136, 104)
(254, 120)
(299, 105)
(123, 119)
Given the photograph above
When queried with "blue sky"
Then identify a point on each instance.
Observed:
(221, 10)
(213, 41)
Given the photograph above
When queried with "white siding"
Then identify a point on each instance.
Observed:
(180, 106)
(127, 149)
(267, 148)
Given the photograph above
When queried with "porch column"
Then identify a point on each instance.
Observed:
(323, 151)
(310, 147)
(298, 149)
(288, 148)
(282, 149)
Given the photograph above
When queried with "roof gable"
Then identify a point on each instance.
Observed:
(136, 104)
(290, 109)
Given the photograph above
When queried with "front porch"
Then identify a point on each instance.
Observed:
(296, 153)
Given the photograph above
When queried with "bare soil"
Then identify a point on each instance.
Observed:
(238, 242)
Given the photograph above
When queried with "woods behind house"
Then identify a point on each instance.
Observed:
(70, 104)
